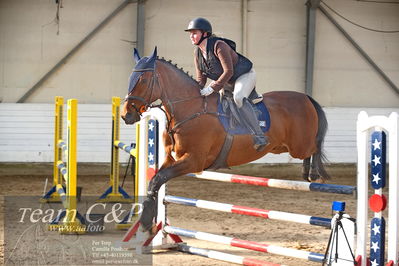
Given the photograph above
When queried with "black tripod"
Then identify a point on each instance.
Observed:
(331, 254)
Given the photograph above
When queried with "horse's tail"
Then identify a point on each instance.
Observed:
(319, 157)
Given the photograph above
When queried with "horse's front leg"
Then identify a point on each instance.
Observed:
(186, 164)
(150, 204)
(169, 160)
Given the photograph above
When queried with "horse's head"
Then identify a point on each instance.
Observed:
(141, 88)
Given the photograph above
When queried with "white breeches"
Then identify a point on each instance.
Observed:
(243, 86)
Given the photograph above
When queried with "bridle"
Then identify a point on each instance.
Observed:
(146, 105)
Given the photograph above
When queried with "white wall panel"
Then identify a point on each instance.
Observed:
(26, 133)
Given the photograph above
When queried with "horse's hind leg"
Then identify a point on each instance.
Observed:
(314, 174)
(306, 169)
(310, 171)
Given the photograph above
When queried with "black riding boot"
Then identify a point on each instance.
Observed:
(252, 123)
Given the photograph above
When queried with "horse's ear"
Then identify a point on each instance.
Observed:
(154, 54)
(136, 55)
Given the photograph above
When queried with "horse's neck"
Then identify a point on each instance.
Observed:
(179, 93)
(175, 83)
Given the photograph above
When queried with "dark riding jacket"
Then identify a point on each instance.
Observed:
(211, 67)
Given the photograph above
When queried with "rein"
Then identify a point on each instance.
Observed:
(146, 105)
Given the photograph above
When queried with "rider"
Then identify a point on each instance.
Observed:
(216, 58)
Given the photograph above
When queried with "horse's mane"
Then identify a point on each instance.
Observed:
(170, 63)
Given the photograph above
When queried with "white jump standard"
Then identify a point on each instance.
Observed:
(377, 202)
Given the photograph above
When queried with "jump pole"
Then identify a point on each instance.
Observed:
(115, 193)
(250, 245)
(217, 255)
(275, 183)
(377, 202)
(266, 214)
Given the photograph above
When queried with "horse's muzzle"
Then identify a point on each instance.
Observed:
(131, 118)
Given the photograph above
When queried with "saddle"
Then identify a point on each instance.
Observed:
(231, 118)
(234, 122)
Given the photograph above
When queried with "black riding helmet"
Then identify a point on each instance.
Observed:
(200, 24)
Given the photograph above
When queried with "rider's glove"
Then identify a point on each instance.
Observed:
(206, 91)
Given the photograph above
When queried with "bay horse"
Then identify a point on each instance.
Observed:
(298, 126)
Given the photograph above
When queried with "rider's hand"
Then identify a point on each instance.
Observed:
(206, 91)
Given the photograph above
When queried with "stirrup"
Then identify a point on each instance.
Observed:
(258, 99)
(259, 147)
(254, 97)
(260, 142)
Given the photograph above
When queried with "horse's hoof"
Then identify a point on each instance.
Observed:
(148, 214)
(153, 230)
(315, 179)
(150, 230)
(146, 227)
